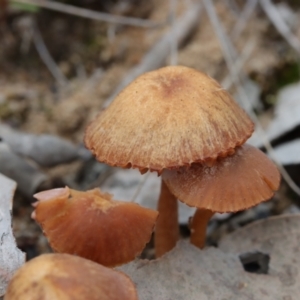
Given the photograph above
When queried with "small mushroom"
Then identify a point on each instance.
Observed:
(166, 119)
(68, 277)
(92, 225)
(234, 183)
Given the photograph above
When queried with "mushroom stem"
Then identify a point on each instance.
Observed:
(198, 227)
(167, 230)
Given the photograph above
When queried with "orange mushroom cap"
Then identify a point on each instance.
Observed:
(67, 277)
(168, 118)
(234, 183)
(92, 225)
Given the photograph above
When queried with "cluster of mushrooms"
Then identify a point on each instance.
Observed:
(175, 121)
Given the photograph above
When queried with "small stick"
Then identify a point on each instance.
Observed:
(276, 19)
(90, 14)
(242, 20)
(174, 45)
(239, 63)
(46, 57)
(233, 7)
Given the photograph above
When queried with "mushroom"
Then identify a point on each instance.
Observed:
(166, 119)
(234, 183)
(92, 225)
(64, 276)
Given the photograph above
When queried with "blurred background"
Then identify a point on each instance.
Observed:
(62, 62)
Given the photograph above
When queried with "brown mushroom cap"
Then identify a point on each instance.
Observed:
(168, 118)
(66, 277)
(234, 183)
(92, 225)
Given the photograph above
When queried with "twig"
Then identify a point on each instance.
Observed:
(90, 14)
(229, 62)
(155, 58)
(46, 57)
(242, 20)
(277, 20)
(239, 63)
(174, 46)
(233, 7)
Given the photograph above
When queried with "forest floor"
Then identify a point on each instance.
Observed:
(93, 57)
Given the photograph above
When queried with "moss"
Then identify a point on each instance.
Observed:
(290, 73)
(285, 74)
(4, 111)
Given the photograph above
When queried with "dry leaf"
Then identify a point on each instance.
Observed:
(45, 149)
(26, 174)
(11, 258)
